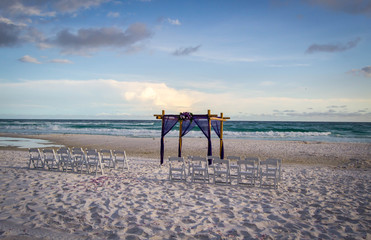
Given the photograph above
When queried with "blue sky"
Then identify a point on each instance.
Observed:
(252, 60)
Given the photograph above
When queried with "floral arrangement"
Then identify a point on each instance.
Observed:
(185, 116)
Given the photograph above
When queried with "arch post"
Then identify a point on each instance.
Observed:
(180, 138)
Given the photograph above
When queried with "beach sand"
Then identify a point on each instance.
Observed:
(324, 193)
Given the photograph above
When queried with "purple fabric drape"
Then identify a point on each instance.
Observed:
(168, 123)
(187, 125)
(217, 128)
(203, 123)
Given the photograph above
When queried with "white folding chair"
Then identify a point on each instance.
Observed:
(198, 168)
(94, 161)
(35, 158)
(210, 160)
(233, 160)
(120, 159)
(65, 161)
(50, 159)
(279, 162)
(188, 165)
(79, 160)
(222, 171)
(269, 172)
(279, 169)
(177, 169)
(248, 170)
(107, 158)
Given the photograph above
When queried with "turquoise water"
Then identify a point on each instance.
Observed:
(301, 131)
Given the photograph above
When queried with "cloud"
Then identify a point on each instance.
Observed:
(29, 59)
(158, 94)
(336, 106)
(333, 47)
(174, 21)
(64, 61)
(186, 51)
(214, 56)
(33, 35)
(92, 97)
(349, 6)
(9, 33)
(6, 21)
(45, 8)
(113, 14)
(13, 34)
(169, 20)
(25, 8)
(90, 39)
(366, 71)
(331, 114)
(73, 5)
(83, 42)
(289, 65)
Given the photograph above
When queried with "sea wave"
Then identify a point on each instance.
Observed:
(274, 134)
(302, 131)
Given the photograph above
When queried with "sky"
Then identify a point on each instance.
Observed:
(268, 60)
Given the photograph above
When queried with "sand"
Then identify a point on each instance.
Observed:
(324, 193)
(356, 155)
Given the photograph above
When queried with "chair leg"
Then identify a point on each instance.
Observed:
(261, 180)
(276, 182)
(42, 164)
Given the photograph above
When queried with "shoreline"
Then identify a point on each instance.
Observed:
(340, 154)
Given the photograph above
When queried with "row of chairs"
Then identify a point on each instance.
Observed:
(77, 159)
(247, 171)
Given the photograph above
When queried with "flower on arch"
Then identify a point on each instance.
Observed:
(185, 116)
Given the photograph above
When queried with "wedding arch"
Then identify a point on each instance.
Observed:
(186, 123)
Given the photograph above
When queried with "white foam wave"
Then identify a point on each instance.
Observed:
(273, 134)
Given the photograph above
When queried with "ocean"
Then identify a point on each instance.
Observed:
(258, 130)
